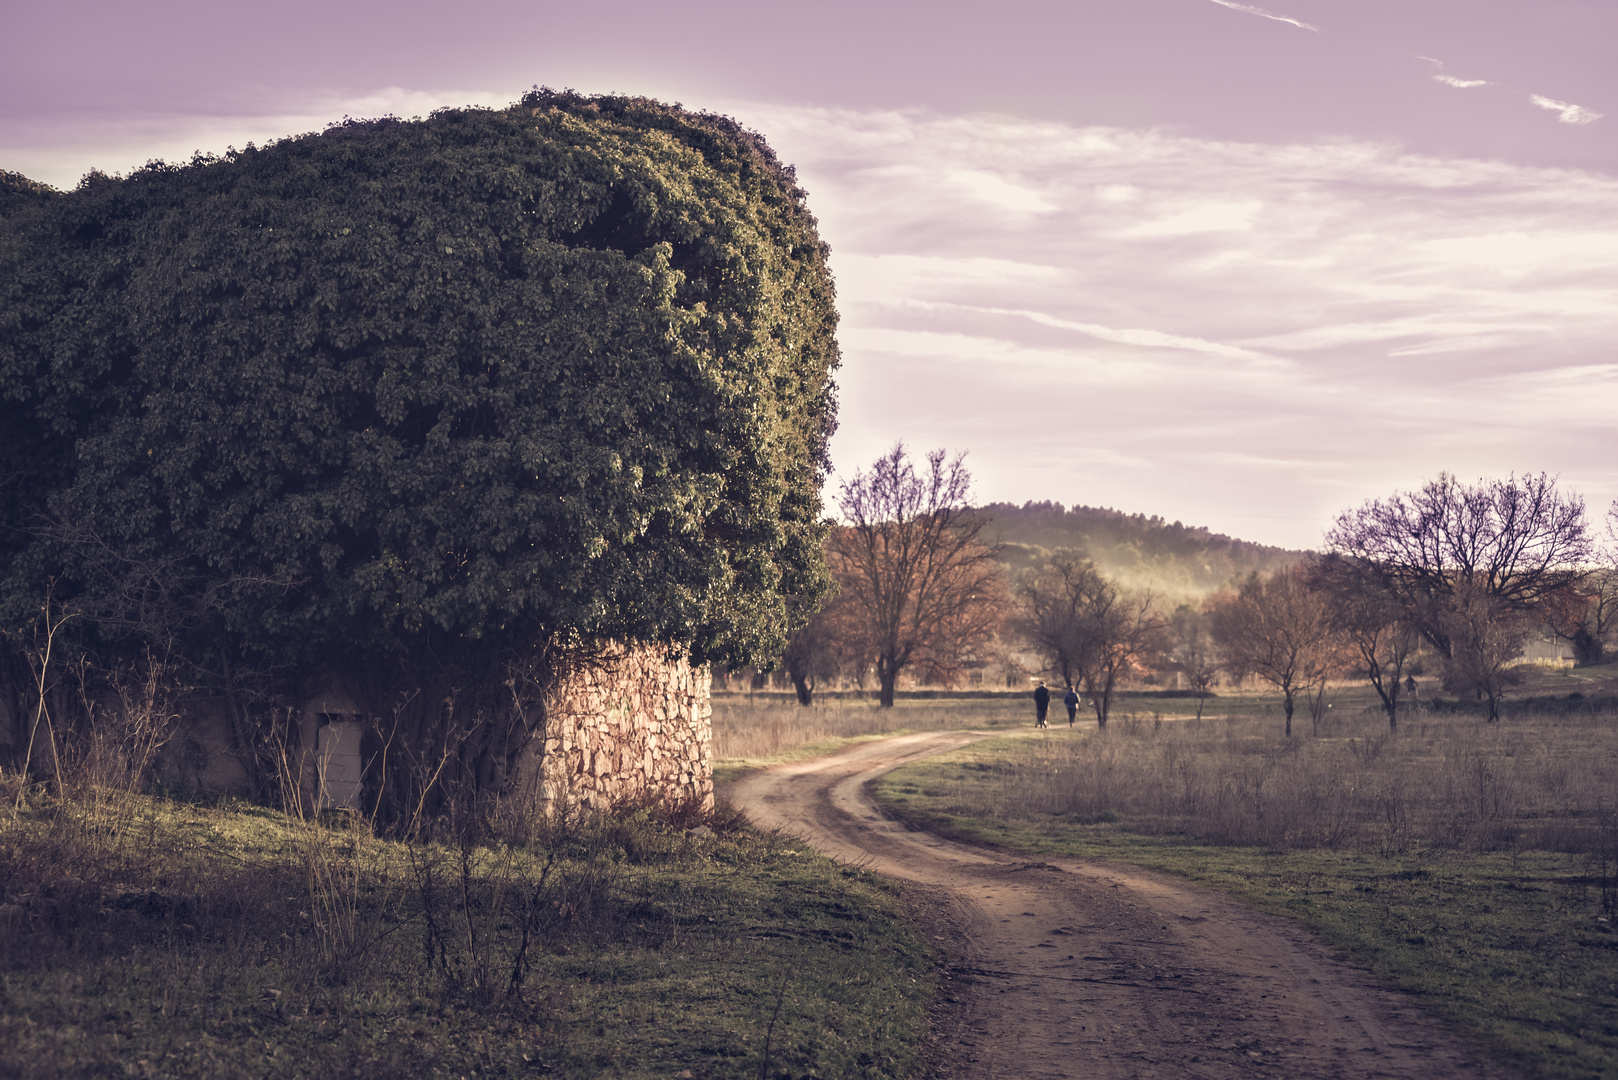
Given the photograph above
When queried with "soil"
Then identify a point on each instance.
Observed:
(1082, 968)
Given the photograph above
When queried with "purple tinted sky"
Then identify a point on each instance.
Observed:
(1238, 264)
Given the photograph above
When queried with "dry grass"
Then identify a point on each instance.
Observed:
(145, 937)
(754, 729)
(1474, 865)
(1532, 782)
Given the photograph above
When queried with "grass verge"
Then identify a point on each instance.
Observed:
(230, 940)
(1514, 946)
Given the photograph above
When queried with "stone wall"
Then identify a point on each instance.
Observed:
(632, 727)
(629, 727)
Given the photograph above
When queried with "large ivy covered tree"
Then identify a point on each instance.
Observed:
(413, 398)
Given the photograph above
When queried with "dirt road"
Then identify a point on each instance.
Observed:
(1087, 969)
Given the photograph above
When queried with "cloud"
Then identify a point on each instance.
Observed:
(122, 142)
(1343, 331)
(1250, 10)
(999, 192)
(1239, 335)
(1142, 338)
(1450, 80)
(1571, 114)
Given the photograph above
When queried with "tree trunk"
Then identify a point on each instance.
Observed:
(1388, 690)
(806, 693)
(1100, 699)
(887, 676)
(1286, 703)
(1316, 697)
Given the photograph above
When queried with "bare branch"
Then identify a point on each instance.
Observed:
(915, 576)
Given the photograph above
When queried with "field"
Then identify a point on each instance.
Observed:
(752, 731)
(1473, 864)
(146, 937)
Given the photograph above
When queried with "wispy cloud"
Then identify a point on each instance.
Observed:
(1297, 326)
(1450, 80)
(122, 142)
(1570, 114)
(1261, 13)
(1147, 339)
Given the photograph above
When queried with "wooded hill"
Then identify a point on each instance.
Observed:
(1179, 561)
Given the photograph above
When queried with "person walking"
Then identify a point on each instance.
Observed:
(1042, 704)
(1072, 703)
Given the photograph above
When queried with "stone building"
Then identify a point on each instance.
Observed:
(631, 729)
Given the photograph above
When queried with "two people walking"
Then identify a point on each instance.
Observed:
(1042, 705)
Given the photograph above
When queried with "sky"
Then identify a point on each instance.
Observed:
(1242, 266)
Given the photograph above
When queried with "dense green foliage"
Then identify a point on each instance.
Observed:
(404, 389)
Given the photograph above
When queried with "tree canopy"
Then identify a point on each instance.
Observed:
(1519, 542)
(917, 587)
(412, 388)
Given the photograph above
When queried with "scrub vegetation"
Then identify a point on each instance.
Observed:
(1473, 864)
(142, 936)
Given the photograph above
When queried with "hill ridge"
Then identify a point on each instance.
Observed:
(1137, 550)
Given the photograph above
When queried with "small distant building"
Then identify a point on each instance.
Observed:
(1546, 649)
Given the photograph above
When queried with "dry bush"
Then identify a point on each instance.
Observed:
(1534, 782)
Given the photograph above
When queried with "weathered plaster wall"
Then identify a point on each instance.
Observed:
(632, 727)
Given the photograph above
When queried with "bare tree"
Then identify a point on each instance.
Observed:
(823, 648)
(1487, 636)
(1086, 630)
(1594, 615)
(1276, 628)
(1126, 634)
(1451, 554)
(918, 583)
(1194, 650)
(1372, 625)
(1052, 603)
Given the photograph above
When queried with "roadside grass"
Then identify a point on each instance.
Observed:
(1475, 865)
(192, 940)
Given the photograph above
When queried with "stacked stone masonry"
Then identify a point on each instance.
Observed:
(630, 728)
(635, 727)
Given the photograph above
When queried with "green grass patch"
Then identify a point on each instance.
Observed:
(151, 938)
(1515, 947)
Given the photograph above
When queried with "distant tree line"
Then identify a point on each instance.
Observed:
(1449, 580)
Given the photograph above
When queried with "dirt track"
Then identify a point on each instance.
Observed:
(1089, 969)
